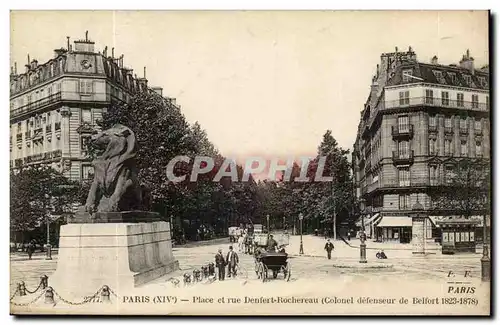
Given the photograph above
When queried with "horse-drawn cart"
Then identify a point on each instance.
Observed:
(276, 262)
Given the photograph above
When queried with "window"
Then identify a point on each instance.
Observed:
(432, 147)
(460, 99)
(86, 115)
(404, 97)
(448, 147)
(429, 96)
(487, 102)
(463, 123)
(482, 81)
(447, 122)
(19, 127)
(434, 174)
(463, 148)
(407, 73)
(432, 120)
(403, 122)
(475, 101)
(445, 98)
(58, 87)
(445, 236)
(87, 172)
(404, 149)
(477, 124)
(49, 91)
(471, 236)
(468, 79)
(404, 177)
(438, 75)
(449, 174)
(28, 98)
(453, 77)
(478, 148)
(404, 201)
(86, 87)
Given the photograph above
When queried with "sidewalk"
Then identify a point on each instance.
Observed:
(314, 247)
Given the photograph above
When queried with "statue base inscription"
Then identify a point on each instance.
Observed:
(119, 255)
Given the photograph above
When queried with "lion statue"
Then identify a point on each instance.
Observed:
(115, 186)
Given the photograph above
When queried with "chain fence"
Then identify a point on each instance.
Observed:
(102, 295)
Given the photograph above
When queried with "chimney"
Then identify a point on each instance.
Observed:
(67, 41)
(113, 52)
(144, 73)
(158, 90)
(58, 52)
(467, 62)
(34, 64)
(434, 60)
(15, 68)
(84, 45)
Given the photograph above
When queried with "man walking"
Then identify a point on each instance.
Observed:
(231, 260)
(329, 248)
(30, 249)
(220, 263)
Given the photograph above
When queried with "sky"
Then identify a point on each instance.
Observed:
(261, 83)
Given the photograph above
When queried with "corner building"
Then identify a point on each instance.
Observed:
(418, 120)
(54, 106)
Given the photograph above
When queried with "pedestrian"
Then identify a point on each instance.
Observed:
(30, 249)
(329, 248)
(231, 261)
(271, 244)
(349, 236)
(220, 263)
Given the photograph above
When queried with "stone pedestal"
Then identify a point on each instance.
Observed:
(119, 255)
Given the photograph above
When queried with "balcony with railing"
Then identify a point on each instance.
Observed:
(402, 158)
(40, 157)
(436, 102)
(399, 131)
(433, 128)
(464, 130)
(478, 131)
(36, 104)
(48, 128)
(19, 137)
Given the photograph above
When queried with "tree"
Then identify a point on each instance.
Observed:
(36, 193)
(467, 188)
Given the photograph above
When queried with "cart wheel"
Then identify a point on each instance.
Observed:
(288, 271)
(263, 274)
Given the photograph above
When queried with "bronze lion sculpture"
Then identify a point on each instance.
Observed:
(115, 186)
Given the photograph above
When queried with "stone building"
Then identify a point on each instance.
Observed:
(419, 118)
(54, 106)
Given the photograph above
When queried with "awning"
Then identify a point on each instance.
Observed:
(395, 222)
(368, 221)
(436, 219)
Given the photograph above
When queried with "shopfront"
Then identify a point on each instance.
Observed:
(458, 235)
(394, 229)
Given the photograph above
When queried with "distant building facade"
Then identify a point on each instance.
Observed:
(54, 106)
(418, 120)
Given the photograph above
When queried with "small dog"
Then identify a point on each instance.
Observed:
(197, 275)
(210, 279)
(187, 279)
(211, 269)
(175, 282)
(204, 271)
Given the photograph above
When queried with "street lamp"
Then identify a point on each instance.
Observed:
(301, 249)
(362, 236)
(268, 229)
(49, 248)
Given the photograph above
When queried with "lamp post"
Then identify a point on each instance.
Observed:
(301, 249)
(47, 219)
(362, 236)
(268, 229)
(485, 260)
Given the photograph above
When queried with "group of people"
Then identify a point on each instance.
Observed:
(231, 260)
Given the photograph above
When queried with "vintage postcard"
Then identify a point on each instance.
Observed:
(250, 163)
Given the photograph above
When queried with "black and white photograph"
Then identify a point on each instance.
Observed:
(258, 163)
